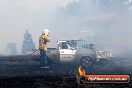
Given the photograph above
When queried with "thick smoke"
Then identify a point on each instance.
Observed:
(106, 22)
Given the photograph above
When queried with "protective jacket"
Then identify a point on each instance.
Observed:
(43, 39)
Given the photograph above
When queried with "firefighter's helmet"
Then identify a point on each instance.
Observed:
(45, 31)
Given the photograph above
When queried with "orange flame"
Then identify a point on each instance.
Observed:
(81, 71)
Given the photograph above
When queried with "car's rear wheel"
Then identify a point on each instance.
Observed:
(86, 62)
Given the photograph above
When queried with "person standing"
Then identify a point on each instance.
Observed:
(43, 39)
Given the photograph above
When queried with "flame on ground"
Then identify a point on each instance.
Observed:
(82, 72)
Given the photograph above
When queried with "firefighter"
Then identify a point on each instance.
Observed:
(43, 39)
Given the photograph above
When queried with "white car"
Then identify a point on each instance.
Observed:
(76, 52)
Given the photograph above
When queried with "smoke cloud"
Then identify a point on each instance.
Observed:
(106, 23)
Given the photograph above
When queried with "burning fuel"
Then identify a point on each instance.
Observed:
(82, 72)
